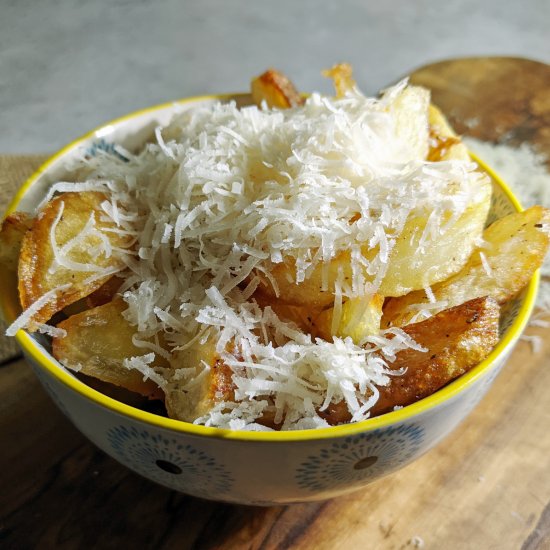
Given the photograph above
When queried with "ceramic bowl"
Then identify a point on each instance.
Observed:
(253, 467)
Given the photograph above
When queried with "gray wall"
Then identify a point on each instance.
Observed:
(67, 66)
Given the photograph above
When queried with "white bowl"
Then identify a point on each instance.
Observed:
(252, 467)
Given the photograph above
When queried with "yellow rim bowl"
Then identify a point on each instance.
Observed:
(32, 349)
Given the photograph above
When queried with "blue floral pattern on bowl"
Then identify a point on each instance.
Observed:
(360, 458)
(169, 462)
(50, 390)
(500, 205)
(508, 313)
(103, 146)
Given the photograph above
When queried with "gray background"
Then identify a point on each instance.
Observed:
(67, 66)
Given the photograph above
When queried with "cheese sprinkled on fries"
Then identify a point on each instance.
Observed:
(292, 264)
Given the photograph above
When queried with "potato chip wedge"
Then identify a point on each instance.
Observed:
(213, 382)
(301, 316)
(67, 247)
(409, 267)
(410, 109)
(444, 143)
(455, 340)
(12, 231)
(412, 268)
(97, 342)
(275, 89)
(515, 247)
(342, 76)
(360, 318)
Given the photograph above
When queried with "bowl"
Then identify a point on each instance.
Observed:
(255, 468)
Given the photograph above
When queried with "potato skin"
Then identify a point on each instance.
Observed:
(12, 231)
(515, 247)
(215, 386)
(37, 255)
(456, 340)
(97, 342)
(275, 89)
(360, 318)
(409, 268)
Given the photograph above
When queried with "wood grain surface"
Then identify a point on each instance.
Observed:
(487, 486)
(496, 99)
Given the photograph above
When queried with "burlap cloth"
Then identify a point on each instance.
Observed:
(14, 170)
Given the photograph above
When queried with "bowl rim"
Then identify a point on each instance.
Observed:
(31, 348)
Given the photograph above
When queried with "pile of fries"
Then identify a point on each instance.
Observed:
(473, 278)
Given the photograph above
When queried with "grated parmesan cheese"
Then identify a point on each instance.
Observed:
(222, 193)
(35, 307)
(524, 170)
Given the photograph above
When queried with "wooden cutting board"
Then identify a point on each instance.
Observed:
(486, 486)
(495, 99)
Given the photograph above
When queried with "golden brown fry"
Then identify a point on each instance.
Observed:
(409, 267)
(37, 255)
(342, 76)
(444, 143)
(214, 386)
(410, 110)
(412, 267)
(360, 318)
(12, 231)
(456, 340)
(275, 89)
(302, 317)
(97, 342)
(515, 247)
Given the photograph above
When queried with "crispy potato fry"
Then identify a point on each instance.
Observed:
(213, 386)
(411, 101)
(275, 89)
(342, 76)
(38, 272)
(444, 143)
(12, 231)
(410, 110)
(515, 247)
(360, 318)
(97, 342)
(456, 340)
(412, 268)
(302, 317)
(409, 267)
